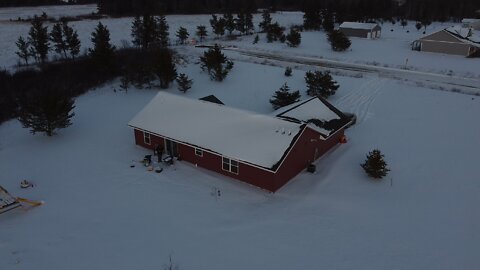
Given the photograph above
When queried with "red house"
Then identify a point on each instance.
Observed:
(262, 150)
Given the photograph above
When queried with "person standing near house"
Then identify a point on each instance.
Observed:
(159, 150)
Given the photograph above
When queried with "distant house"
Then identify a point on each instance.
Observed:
(363, 30)
(263, 150)
(471, 23)
(453, 40)
(212, 98)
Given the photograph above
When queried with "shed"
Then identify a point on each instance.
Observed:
(362, 30)
(263, 150)
(453, 40)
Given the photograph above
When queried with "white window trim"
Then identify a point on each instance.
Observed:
(230, 165)
(145, 136)
(199, 153)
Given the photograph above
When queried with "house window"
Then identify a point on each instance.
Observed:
(230, 165)
(146, 138)
(198, 152)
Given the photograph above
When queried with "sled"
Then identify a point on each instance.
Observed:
(8, 202)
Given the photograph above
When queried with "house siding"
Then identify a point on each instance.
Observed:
(300, 155)
(445, 47)
(362, 33)
(303, 153)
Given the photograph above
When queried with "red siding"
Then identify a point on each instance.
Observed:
(297, 160)
(303, 154)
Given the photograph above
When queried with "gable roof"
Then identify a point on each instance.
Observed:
(253, 138)
(357, 25)
(455, 34)
(321, 116)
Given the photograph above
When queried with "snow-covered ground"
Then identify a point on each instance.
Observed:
(101, 214)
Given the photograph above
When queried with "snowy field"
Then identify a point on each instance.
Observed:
(101, 214)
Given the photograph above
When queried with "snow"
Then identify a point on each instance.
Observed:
(101, 214)
(357, 25)
(234, 133)
(313, 108)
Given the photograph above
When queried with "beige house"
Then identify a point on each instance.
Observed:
(363, 30)
(453, 40)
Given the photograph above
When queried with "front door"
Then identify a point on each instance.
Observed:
(171, 148)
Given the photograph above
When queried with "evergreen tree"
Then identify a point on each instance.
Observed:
(312, 19)
(338, 40)
(72, 40)
(293, 38)
(216, 63)
(229, 23)
(328, 21)
(145, 31)
(218, 25)
(23, 49)
(102, 51)
(256, 39)
(137, 31)
(418, 25)
(288, 71)
(284, 97)
(164, 67)
(46, 110)
(320, 84)
(274, 32)
(162, 31)
(404, 23)
(58, 40)
(182, 35)
(184, 83)
(249, 23)
(38, 39)
(266, 21)
(202, 32)
(375, 165)
(240, 22)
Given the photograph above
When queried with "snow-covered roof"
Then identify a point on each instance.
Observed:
(312, 112)
(357, 25)
(253, 138)
(467, 34)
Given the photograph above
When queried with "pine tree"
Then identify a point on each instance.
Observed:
(249, 23)
(46, 110)
(182, 35)
(164, 67)
(137, 31)
(162, 31)
(202, 32)
(72, 40)
(338, 40)
(328, 21)
(38, 39)
(288, 71)
(58, 40)
(375, 165)
(229, 23)
(404, 23)
(23, 49)
(240, 22)
(102, 51)
(312, 19)
(218, 26)
(274, 32)
(418, 25)
(256, 39)
(320, 84)
(184, 83)
(216, 63)
(293, 38)
(266, 21)
(284, 97)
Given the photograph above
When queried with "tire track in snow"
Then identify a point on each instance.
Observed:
(360, 100)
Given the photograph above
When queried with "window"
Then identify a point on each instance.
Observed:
(146, 138)
(230, 165)
(198, 152)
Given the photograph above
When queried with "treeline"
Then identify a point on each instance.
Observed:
(26, 3)
(344, 9)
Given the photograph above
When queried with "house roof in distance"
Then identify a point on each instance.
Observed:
(213, 99)
(357, 25)
(246, 136)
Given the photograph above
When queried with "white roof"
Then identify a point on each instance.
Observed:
(357, 25)
(313, 108)
(468, 34)
(246, 136)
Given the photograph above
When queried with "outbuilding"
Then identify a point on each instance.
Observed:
(263, 150)
(453, 40)
(362, 30)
